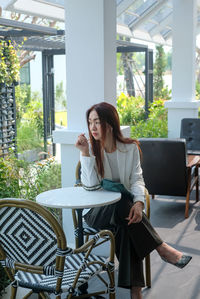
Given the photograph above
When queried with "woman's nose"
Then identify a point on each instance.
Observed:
(93, 126)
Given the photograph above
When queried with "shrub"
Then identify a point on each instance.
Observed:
(39, 177)
(26, 180)
(130, 109)
(34, 112)
(9, 176)
(155, 126)
(29, 119)
(131, 112)
(28, 137)
(22, 99)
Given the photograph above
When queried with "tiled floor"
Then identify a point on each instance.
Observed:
(169, 282)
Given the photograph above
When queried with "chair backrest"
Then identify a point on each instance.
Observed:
(30, 235)
(164, 165)
(190, 130)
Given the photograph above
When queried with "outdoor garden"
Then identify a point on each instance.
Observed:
(23, 179)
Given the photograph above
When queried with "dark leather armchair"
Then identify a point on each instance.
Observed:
(190, 130)
(166, 170)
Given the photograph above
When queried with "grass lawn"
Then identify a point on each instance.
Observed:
(61, 118)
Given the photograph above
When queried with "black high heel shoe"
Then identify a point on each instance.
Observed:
(183, 261)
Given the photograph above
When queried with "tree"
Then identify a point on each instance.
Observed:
(169, 60)
(60, 97)
(159, 69)
(128, 73)
(127, 59)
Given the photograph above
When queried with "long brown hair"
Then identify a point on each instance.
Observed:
(107, 114)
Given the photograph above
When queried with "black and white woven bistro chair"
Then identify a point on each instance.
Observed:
(34, 253)
(89, 231)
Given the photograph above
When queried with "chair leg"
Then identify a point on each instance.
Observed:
(86, 238)
(76, 242)
(112, 295)
(187, 204)
(188, 194)
(41, 295)
(28, 295)
(13, 293)
(197, 182)
(148, 271)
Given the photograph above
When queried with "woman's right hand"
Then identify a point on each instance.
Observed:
(83, 145)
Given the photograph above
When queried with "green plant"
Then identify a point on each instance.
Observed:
(9, 63)
(48, 177)
(10, 176)
(130, 109)
(28, 137)
(21, 179)
(155, 126)
(22, 99)
(26, 180)
(34, 112)
(39, 177)
(30, 123)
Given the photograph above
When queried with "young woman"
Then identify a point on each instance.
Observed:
(109, 155)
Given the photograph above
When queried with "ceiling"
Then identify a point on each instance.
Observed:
(147, 20)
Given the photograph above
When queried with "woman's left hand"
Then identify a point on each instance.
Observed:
(135, 214)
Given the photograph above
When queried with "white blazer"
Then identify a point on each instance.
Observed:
(130, 171)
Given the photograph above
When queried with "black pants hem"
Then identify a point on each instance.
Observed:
(132, 244)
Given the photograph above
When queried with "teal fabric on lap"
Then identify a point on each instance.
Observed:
(103, 217)
(109, 185)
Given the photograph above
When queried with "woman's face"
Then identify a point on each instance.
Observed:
(95, 125)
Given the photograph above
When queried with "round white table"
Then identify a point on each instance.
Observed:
(77, 198)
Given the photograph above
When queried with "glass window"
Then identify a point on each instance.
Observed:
(126, 18)
(165, 32)
(162, 14)
(147, 26)
(140, 6)
(25, 74)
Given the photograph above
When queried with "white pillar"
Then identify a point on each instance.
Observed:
(90, 75)
(183, 103)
